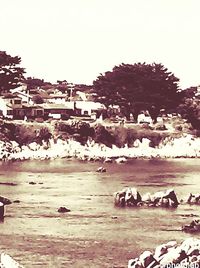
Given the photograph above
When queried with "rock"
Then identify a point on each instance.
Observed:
(161, 250)
(165, 199)
(121, 160)
(170, 255)
(119, 198)
(101, 169)
(175, 255)
(190, 244)
(16, 201)
(63, 209)
(7, 261)
(146, 198)
(147, 259)
(134, 263)
(1, 210)
(5, 201)
(127, 197)
(194, 226)
(132, 197)
(32, 182)
(108, 160)
(193, 199)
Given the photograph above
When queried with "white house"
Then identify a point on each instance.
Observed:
(144, 117)
(89, 107)
(5, 110)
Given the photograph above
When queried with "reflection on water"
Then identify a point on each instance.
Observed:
(94, 233)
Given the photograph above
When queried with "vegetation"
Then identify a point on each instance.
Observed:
(37, 99)
(10, 73)
(138, 87)
(190, 109)
(24, 134)
(109, 136)
(33, 83)
(134, 87)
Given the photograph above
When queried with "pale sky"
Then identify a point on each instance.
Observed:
(77, 40)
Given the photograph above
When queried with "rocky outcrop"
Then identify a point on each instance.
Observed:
(170, 254)
(63, 210)
(166, 199)
(101, 169)
(1, 211)
(193, 199)
(193, 227)
(5, 200)
(7, 261)
(131, 197)
(127, 197)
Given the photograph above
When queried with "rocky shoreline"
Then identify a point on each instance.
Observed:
(170, 255)
(184, 147)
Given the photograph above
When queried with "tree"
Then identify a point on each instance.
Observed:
(190, 110)
(138, 87)
(33, 83)
(38, 99)
(10, 73)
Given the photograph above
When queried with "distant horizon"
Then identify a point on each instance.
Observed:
(80, 39)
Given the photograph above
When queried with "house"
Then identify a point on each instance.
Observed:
(57, 111)
(21, 92)
(8, 102)
(89, 107)
(5, 110)
(58, 98)
(29, 111)
(144, 117)
(12, 107)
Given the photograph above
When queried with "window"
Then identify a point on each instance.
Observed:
(39, 112)
(17, 102)
(9, 112)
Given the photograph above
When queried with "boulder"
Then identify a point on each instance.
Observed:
(1, 210)
(63, 209)
(108, 160)
(190, 244)
(194, 226)
(121, 160)
(127, 197)
(147, 259)
(170, 255)
(135, 263)
(5, 201)
(193, 199)
(7, 261)
(165, 198)
(132, 197)
(161, 250)
(119, 198)
(174, 255)
(101, 169)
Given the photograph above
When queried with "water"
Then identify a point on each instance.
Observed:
(94, 233)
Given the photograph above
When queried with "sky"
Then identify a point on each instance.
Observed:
(77, 40)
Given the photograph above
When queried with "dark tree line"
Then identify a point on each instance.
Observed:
(11, 74)
(137, 87)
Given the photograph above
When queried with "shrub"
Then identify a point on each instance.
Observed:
(160, 126)
(124, 136)
(25, 135)
(44, 135)
(102, 135)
